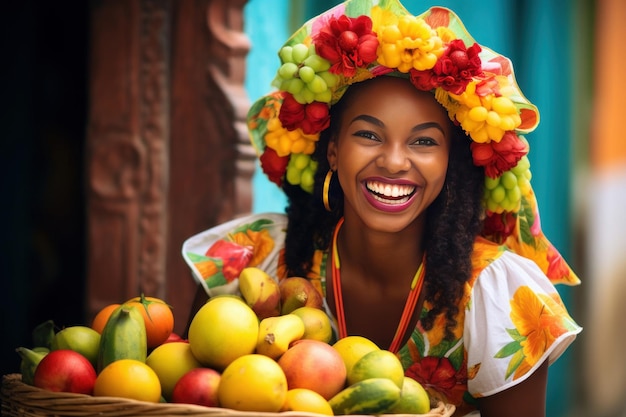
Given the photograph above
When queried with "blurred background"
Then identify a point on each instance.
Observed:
(161, 130)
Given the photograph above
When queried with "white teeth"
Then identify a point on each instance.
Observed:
(389, 190)
(386, 201)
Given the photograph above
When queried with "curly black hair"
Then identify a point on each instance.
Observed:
(454, 220)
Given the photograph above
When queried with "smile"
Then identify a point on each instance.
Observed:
(390, 193)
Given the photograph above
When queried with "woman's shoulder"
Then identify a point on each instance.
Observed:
(484, 254)
(487, 252)
(492, 262)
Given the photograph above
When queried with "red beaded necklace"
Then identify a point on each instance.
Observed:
(409, 306)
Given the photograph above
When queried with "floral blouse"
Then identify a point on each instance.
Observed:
(511, 317)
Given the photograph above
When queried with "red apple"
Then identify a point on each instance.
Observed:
(65, 370)
(315, 365)
(198, 386)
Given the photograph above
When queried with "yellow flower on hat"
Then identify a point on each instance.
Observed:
(484, 113)
(451, 105)
(286, 142)
(407, 42)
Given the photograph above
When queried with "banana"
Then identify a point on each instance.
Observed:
(30, 360)
(373, 396)
(260, 291)
(123, 337)
(277, 333)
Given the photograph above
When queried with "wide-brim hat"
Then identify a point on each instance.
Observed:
(361, 39)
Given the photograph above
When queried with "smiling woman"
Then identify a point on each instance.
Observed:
(398, 141)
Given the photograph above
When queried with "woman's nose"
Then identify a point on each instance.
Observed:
(394, 159)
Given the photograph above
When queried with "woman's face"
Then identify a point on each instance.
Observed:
(390, 153)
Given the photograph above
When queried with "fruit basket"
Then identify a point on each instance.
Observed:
(19, 399)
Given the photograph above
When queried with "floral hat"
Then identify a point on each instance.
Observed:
(362, 39)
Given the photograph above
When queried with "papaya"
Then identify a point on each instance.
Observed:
(372, 396)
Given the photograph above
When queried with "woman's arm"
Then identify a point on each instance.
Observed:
(526, 399)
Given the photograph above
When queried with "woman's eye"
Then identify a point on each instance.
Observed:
(366, 134)
(425, 142)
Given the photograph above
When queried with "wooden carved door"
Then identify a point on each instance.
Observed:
(167, 151)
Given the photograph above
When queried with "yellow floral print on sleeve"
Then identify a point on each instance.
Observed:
(539, 319)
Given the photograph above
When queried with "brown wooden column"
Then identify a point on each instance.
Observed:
(167, 150)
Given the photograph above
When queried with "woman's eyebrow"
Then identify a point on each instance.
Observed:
(417, 128)
(427, 125)
(369, 119)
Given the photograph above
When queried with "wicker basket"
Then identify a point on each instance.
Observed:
(19, 399)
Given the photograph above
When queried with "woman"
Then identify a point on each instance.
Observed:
(397, 140)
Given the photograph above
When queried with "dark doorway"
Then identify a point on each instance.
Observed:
(42, 244)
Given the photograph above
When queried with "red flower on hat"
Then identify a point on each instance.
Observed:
(311, 118)
(498, 157)
(452, 71)
(499, 226)
(291, 112)
(347, 43)
(274, 166)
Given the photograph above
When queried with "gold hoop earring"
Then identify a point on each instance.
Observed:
(326, 189)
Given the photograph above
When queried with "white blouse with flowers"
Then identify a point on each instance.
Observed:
(511, 318)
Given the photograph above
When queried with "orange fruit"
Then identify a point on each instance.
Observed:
(253, 382)
(157, 315)
(303, 399)
(101, 318)
(222, 330)
(128, 378)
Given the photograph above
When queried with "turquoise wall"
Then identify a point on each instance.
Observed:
(534, 34)
(266, 24)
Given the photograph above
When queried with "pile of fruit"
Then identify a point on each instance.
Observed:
(269, 349)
